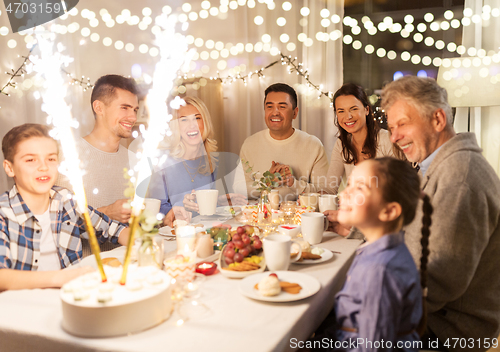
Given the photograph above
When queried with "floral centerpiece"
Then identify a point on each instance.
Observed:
(149, 253)
(265, 184)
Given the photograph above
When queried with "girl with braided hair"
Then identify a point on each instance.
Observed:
(382, 297)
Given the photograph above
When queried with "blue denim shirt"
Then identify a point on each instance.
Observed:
(424, 165)
(381, 298)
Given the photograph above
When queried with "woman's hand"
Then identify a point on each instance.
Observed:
(168, 220)
(189, 202)
(335, 226)
(176, 213)
(331, 215)
(181, 213)
(236, 199)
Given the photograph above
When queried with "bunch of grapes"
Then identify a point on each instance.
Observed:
(243, 244)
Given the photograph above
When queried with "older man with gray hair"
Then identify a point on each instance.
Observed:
(463, 274)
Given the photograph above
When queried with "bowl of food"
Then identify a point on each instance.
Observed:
(291, 230)
(243, 255)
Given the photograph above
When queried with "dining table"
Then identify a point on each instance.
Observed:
(31, 320)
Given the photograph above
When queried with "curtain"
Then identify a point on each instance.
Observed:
(237, 109)
(484, 121)
(244, 104)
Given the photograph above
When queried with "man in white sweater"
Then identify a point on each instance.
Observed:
(298, 156)
(114, 104)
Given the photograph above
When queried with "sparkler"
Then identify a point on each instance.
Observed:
(49, 64)
(173, 51)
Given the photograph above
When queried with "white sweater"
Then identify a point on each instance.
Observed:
(339, 170)
(302, 152)
(103, 179)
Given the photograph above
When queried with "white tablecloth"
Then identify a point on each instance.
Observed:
(30, 320)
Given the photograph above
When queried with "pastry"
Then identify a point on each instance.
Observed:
(111, 261)
(271, 286)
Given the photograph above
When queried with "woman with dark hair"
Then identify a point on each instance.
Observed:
(360, 137)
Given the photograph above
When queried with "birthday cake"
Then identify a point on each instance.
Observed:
(92, 308)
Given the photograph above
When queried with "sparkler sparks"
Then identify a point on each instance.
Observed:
(173, 51)
(59, 114)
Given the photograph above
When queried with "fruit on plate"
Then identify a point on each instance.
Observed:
(249, 263)
(242, 250)
(220, 231)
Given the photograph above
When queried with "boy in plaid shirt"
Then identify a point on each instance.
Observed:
(40, 226)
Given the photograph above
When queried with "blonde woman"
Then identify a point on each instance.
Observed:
(192, 164)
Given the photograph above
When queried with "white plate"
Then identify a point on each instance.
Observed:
(226, 211)
(326, 255)
(211, 258)
(167, 230)
(310, 286)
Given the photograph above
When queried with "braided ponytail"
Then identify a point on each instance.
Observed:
(424, 241)
(405, 189)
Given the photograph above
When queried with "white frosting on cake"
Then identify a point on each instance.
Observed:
(92, 308)
(142, 283)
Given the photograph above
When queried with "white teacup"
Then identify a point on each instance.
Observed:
(152, 206)
(313, 225)
(207, 201)
(309, 200)
(277, 250)
(327, 202)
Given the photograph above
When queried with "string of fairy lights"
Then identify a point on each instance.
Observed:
(23, 70)
(13, 74)
(186, 14)
(293, 66)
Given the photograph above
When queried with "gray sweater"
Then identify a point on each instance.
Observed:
(464, 275)
(103, 180)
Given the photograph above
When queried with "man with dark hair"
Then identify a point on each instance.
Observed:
(299, 157)
(282, 88)
(114, 104)
(105, 88)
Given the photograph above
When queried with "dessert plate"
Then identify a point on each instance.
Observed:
(166, 231)
(326, 255)
(226, 211)
(310, 286)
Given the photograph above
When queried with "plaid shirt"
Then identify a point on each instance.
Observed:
(20, 232)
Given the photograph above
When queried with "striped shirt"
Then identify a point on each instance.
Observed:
(20, 231)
